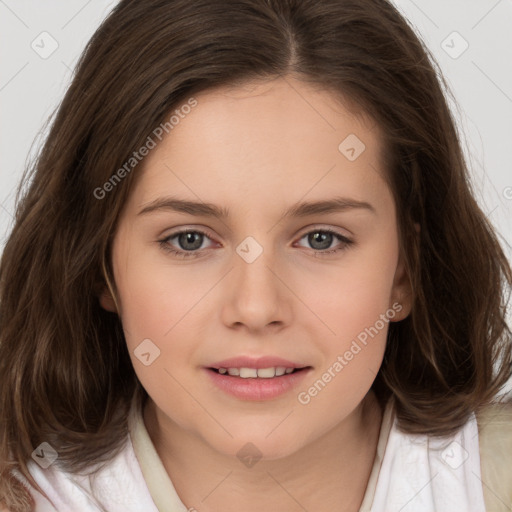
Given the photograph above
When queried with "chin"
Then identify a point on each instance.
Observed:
(251, 446)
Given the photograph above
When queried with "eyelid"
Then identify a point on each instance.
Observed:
(188, 228)
(345, 241)
(323, 227)
(302, 232)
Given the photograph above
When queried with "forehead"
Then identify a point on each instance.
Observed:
(263, 109)
(265, 139)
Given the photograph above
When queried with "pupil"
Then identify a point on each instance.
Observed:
(322, 237)
(185, 238)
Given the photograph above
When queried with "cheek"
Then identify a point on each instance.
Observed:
(351, 295)
(353, 302)
(155, 296)
(363, 302)
(357, 313)
(156, 304)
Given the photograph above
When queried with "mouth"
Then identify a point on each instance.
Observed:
(257, 384)
(258, 373)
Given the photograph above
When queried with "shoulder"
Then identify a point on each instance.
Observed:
(116, 485)
(495, 424)
(495, 436)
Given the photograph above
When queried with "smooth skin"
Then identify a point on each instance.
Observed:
(257, 150)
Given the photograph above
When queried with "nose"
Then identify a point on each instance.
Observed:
(256, 295)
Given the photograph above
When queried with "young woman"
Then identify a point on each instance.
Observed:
(249, 273)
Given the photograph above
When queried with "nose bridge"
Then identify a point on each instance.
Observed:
(256, 296)
(255, 259)
(257, 244)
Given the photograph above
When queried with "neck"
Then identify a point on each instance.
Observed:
(330, 473)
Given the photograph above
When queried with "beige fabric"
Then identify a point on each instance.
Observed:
(385, 428)
(495, 435)
(157, 480)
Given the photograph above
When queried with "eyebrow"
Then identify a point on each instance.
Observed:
(304, 209)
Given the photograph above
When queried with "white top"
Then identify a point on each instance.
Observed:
(411, 473)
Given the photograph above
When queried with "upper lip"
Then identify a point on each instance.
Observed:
(256, 362)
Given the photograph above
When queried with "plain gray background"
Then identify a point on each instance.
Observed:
(32, 83)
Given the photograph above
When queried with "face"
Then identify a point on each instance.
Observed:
(316, 287)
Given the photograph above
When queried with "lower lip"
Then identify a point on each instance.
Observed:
(257, 388)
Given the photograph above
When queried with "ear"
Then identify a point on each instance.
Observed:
(107, 301)
(401, 292)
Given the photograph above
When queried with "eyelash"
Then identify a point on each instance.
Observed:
(164, 243)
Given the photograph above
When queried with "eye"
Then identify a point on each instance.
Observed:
(191, 242)
(322, 239)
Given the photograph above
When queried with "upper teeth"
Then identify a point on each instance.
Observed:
(265, 373)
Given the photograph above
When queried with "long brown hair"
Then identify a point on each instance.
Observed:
(65, 374)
